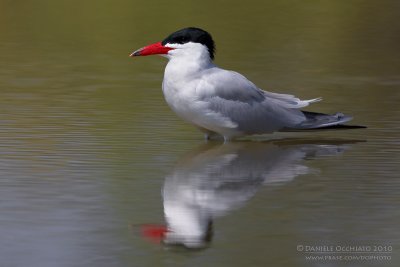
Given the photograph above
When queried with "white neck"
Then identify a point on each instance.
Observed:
(187, 60)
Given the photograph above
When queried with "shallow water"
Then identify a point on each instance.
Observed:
(90, 155)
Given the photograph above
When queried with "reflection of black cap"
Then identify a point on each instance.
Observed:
(194, 241)
(210, 232)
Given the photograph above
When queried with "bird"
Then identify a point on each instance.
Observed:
(213, 180)
(225, 103)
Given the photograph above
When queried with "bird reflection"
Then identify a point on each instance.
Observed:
(213, 180)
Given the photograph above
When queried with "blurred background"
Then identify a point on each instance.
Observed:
(87, 142)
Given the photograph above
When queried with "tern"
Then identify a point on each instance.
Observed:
(224, 102)
(213, 180)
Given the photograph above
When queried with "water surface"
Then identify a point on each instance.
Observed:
(90, 153)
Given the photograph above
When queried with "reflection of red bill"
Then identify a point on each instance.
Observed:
(154, 232)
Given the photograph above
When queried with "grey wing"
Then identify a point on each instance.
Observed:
(254, 111)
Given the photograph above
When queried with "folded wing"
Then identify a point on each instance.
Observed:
(253, 110)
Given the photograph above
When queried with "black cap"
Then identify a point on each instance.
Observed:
(192, 34)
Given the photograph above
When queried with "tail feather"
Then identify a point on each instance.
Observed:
(321, 121)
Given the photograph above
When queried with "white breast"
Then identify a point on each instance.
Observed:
(179, 87)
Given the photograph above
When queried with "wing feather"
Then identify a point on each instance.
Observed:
(253, 110)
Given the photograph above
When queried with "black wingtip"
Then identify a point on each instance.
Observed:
(344, 127)
(332, 127)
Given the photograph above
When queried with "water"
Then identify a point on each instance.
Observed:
(90, 155)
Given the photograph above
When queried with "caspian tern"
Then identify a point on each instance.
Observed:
(224, 102)
(213, 180)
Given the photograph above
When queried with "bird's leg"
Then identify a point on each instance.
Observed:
(207, 133)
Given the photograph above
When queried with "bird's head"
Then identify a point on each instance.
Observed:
(186, 42)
